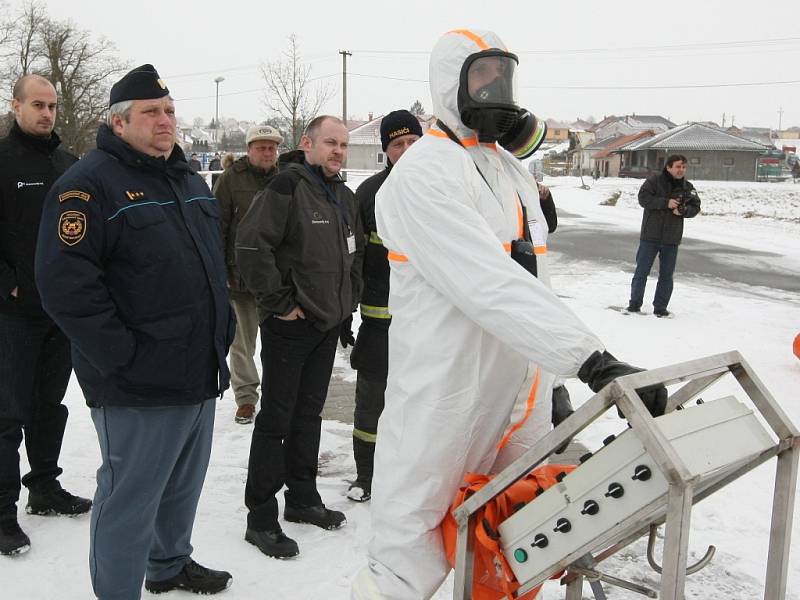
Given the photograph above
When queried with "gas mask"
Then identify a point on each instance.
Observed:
(487, 103)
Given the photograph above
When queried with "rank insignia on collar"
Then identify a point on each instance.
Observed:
(161, 83)
(134, 196)
(63, 197)
(72, 227)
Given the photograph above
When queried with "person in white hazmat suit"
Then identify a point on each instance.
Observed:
(468, 320)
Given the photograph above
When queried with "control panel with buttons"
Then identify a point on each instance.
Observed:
(620, 480)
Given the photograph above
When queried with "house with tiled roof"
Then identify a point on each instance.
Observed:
(712, 153)
(365, 151)
(614, 126)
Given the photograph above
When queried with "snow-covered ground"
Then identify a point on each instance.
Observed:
(712, 317)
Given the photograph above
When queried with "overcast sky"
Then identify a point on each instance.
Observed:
(578, 58)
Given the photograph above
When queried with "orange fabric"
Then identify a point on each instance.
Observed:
(397, 257)
(540, 249)
(796, 346)
(467, 142)
(528, 410)
(492, 577)
(474, 37)
(520, 224)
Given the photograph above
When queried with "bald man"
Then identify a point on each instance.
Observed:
(35, 360)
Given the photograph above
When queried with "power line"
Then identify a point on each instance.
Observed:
(658, 87)
(689, 46)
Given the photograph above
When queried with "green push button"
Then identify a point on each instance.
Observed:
(520, 555)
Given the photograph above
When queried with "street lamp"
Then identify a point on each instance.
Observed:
(217, 80)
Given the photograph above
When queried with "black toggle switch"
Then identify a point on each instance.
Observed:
(560, 476)
(563, 525)
(590, 507)
(615, 490)
(540, 541)
(699, 401)
(642, 473)
(585, 457)
(609, 439)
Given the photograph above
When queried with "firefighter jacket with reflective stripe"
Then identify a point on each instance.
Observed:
(375, 296)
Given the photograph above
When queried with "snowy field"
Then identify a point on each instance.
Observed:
(711, 317)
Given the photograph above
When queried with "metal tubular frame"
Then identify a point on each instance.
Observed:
(697, 375)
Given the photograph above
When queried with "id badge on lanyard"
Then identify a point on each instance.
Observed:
(351, 241)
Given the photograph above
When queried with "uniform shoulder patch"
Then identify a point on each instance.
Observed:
(64, 196)
(72, 227)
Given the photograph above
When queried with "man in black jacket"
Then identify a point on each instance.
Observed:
(299, 252)
(34, 354)
(370, 356)
(667, 200)
(130, 265)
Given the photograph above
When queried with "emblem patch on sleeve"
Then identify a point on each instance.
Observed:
(72, 227)
(74, 194)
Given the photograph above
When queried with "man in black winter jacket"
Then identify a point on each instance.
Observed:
(370, 356)
(667, 200)
(299, 252)
(34, 354)
(130, 265)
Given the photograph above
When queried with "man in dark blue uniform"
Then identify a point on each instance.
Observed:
(130, 265)
(34, 353)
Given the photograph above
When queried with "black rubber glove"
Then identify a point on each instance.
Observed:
(346, 332)
(562, 406)
(601, 369)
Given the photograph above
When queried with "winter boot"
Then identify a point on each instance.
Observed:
(57, 502)
(272, 543)
(12, 539)
(314, 515)
(192, 578)
(360, 491)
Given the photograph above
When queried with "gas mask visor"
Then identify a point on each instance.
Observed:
(487, 93)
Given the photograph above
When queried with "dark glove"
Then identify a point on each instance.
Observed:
(346, 332)
(601, 369)
(562, 406)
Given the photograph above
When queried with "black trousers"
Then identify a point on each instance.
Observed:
(35, 366)
(370, 357)
(297, 361)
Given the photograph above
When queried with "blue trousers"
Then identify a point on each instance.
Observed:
(154, 464)
(645, 256)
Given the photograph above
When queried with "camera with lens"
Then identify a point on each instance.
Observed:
(682, 196)
(523, 252)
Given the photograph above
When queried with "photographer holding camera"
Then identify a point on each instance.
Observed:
(667, 199)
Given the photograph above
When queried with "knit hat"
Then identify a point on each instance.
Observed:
(263, 132)
(398, 123)
(142, 83)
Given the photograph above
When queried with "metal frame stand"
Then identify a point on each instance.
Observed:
(697, 375)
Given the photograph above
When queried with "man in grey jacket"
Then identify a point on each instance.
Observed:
(235, 190)
(299, 251)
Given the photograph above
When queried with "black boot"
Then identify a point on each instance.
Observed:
(272, 543)
(192, 578)
(57, 502)
(364, 455)
(315, 515)
(12, 539)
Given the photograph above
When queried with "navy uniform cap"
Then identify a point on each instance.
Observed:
(142, 83)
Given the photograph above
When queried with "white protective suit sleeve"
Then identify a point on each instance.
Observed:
(456, 252)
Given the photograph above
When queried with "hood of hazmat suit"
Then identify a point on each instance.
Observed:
(469, 327)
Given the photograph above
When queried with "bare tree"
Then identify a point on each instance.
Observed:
(79, 67)
(290, 92)
(417, 108)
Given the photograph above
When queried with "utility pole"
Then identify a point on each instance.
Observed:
(780, 117)
(723, 120)
(344, 54)
(217, 80)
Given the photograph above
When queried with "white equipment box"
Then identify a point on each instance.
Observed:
(621, 479)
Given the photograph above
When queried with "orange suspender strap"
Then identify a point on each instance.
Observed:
(528, 410)
(520, 224)
(397, 257)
